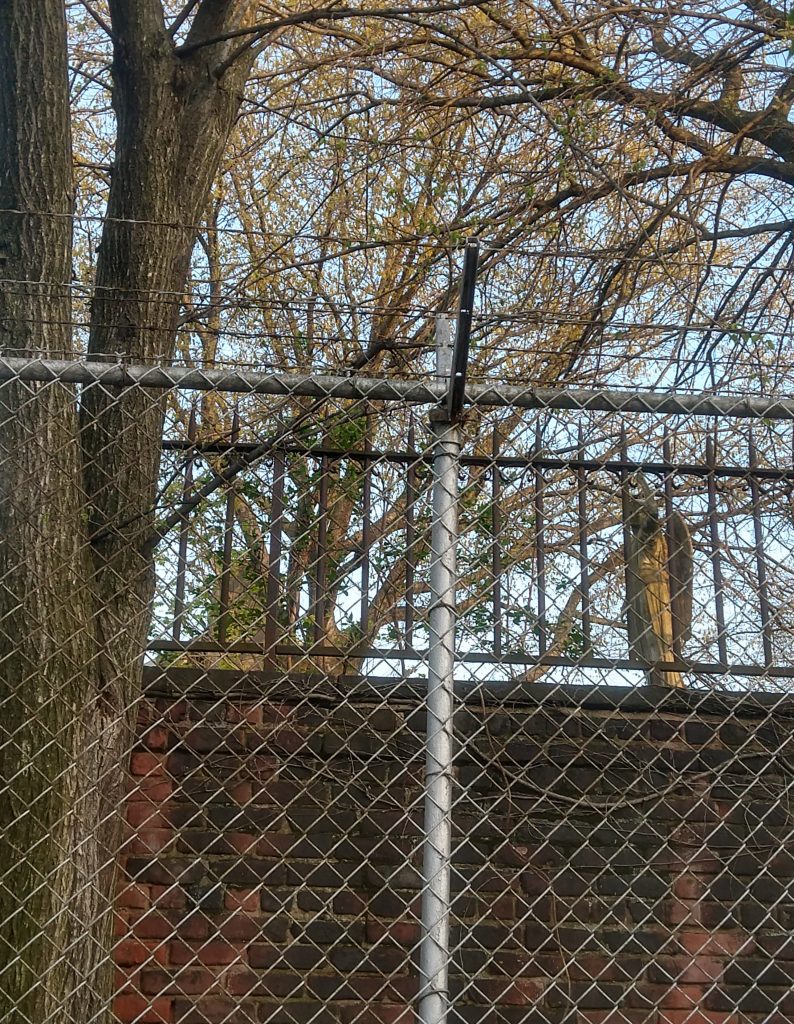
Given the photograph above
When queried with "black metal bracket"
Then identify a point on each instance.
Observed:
(460, 354)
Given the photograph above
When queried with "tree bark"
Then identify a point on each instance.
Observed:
(47, 671)
(76, 506)
(173, 120)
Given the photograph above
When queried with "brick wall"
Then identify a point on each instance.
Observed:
(613, 865)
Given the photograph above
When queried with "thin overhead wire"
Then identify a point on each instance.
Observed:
(456, 242)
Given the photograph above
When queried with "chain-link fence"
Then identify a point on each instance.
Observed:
(486, 720)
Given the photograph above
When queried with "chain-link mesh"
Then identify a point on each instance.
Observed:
(621, 831)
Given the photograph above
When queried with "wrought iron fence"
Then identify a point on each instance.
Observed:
(485, 720)
(322, 551)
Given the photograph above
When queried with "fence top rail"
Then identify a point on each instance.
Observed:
(327, 385)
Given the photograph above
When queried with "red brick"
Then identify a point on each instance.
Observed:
(277, 792)
(240, 792)
(210, 954)
(698, 1017)
(213, 739)
(514, 855)
(131, 952)
(130, 1006)
(154, 926)
(683, 970)
(190, 982)
(248, 713)
(502, 907)
(144, 762)
(156, 738)
(168, 897)
(241, 928)
(516, 992)
(153, 788)
(618, 1017)
(263, 955)
(242, 981)
(167, 871)
(195, 925)
(246, 900)
(683, 997)
(706, 864)
(688, 887)
(349, 903)
(242, 842)
(404, 933)
(172, 711)
(680, 895)
(702, 968)
(145, 813)
(278, 845)
(134, 896)
(718, 943)
(210, 1010)
(262, 766)
(682, 912)
(147, 713)
(277, 714)
(149, 840)
(377, 1013)
(126, 977)
(278, 984)
(370, 990)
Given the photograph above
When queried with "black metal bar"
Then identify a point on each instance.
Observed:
(460, 356)
(628, 609)
(700, 667)
(716, 559)
(538, 488)
(506, 462)
(366, 538)
(274, 554)
(228, 540)
(584, 557)
(181, 558)
(668, 513)
(321, 553)
(760, 558)
(496, 548)
(410, 535)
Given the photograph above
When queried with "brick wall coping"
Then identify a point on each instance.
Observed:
(197, 683)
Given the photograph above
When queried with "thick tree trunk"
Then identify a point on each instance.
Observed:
(174, 119)
(76, 506)
(47, 669)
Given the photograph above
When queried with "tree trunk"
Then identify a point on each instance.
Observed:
(76, 506)
(47, 671)
(173, 121)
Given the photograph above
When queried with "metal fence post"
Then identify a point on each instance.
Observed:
(433, 999)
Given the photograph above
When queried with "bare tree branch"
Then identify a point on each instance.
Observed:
(182, 17)
(97, 17)
(311, 17)
(567, 616)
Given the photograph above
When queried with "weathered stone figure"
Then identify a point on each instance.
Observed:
(658, 581)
